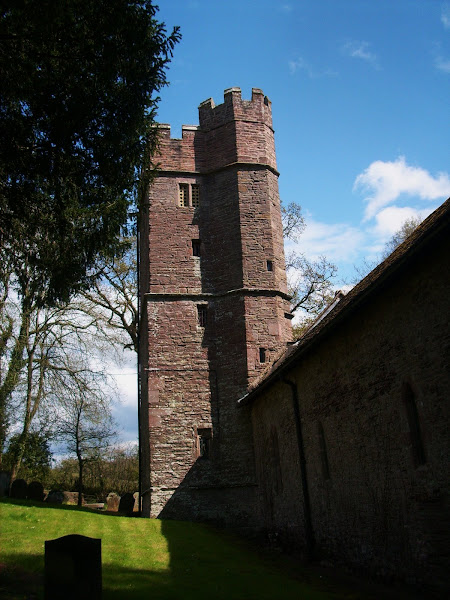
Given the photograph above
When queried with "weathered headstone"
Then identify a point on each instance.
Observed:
(5, 481)
(35, 491)
(73, 568)
(136, 502)
(71, 498)
(112, 502)
(126, 503)
(55, 497)
(19, 489)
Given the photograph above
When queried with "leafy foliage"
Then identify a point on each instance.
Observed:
(115, 470)
(76, 114)
(35, 456)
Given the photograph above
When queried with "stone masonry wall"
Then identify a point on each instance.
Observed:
(193, 375)
(377, 503)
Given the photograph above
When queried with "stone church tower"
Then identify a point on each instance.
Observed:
(215, 309)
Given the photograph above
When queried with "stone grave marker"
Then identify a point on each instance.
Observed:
(35, 491)
(19, 489)
(4, 483)
(55, 497)
(126, 503)
(73, 568)
(112, 502)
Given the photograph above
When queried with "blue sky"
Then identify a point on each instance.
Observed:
(360, 95)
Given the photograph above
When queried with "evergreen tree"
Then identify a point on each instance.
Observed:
(77, 107)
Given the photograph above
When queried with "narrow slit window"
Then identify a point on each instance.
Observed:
(270, 265)
(412, 415)
(202, 314)
(195, 191)
(183, 194)
(196, 251)
(323, 451)
(262, 355)
(204, 442)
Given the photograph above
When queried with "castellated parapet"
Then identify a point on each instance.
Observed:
(215, 308)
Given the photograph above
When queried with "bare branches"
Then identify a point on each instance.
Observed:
(293, 221)
(44, 352)
(111, 303)
(310, 281)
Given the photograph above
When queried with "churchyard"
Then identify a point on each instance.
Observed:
(154, 559)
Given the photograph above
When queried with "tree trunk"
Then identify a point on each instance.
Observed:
(80, 480)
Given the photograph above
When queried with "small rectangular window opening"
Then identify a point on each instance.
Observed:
(195, 190)
(270, 265)
(204, 442)
(183, 194)
(262, 355)
(196, 248)
(202, 312)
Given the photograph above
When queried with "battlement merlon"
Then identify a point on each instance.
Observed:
(258, 109)
(244, 126)
(164, 130)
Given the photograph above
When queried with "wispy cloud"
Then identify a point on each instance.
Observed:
(384, 182)
(338, 241)
(360, 49)
(300, 64)
(442, 64)
(445, 16)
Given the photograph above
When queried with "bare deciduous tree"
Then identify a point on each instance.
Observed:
(310, 281)
(401, 235)
(84, 421)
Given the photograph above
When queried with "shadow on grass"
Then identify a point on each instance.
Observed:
(17, 502)
(26, 582)
(22, 577)
(204, 564)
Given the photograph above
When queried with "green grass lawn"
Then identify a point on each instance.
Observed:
(151, 559)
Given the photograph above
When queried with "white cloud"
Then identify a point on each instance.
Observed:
(360, 49)
(338, 241)
(390, 219)
(384, 182)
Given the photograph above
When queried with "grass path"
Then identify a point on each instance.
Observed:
(149, 559)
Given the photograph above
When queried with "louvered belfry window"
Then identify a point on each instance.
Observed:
(195, 196)
(188, 195)
(183, 194)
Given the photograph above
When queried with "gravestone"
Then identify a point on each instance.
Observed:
(35, 491)
(73, 568)
(126, 503)
(136, 502)
(55, 497)
(19, 489)
(5, 480)
(72, 498)
(112, 502)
